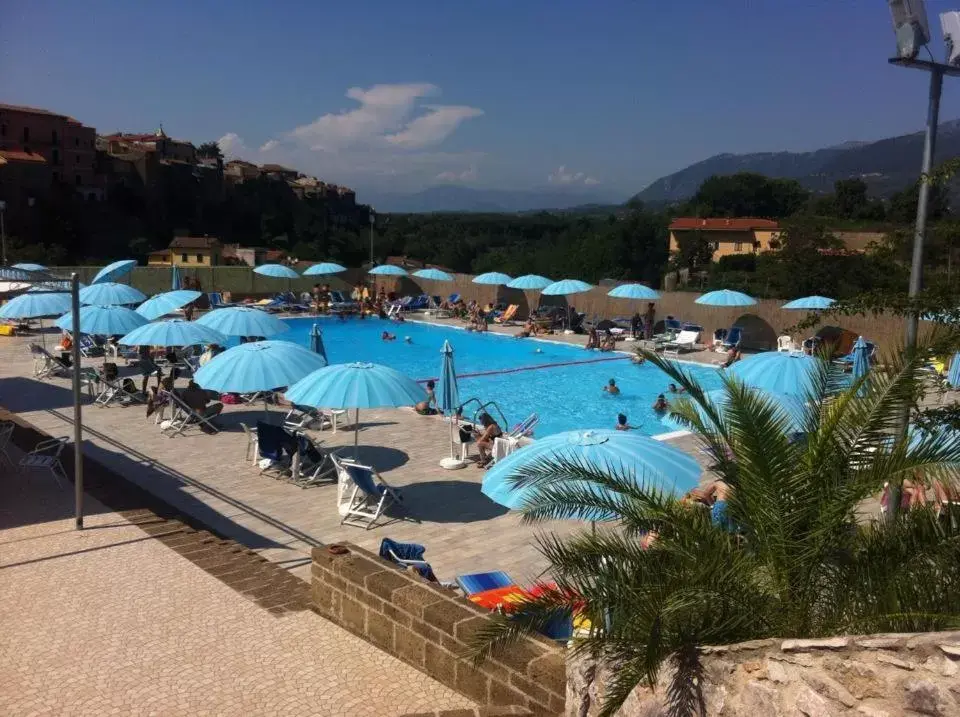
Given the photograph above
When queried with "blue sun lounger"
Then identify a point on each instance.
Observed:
(481, 582)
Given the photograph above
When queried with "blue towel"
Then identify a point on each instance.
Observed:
(407, 551)
(481, 582)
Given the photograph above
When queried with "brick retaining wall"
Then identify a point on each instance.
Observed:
(429, 627)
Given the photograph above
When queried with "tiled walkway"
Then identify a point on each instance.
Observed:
(112, 621)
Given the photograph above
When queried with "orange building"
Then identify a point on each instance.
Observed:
(743, 235)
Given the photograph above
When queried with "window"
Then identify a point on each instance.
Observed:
(26, 134)
(56, 156)
(183, 258)
(79, 180)
(55, 137)
(56, 176)
(76, 141)
(738, 246)
(199, 258)
(76, 159)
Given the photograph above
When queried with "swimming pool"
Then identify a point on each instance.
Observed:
(521, 376)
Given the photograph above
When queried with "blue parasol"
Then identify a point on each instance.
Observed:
(167, 303)
(107, 293)
(725, 297)
(777, 372)
(861, 358)
(530, 282)
(565, 287)
(433, 275)
(175, 283)
(258, 366)
(35, 305)
(388, 270)
(653, 464)
(243, 321)
(326, 267)
(114, 270)
(103, 320)
(448, 400)
(809, 303)
(173, 332)
(316, 342)
(30, 267)
(276, 271)
(953, 377)
(494, 278)
(634, 291)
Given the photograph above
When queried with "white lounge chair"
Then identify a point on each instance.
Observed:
(113, 391)
(785, 344)
(362, 494)
(46, 365)
(687, 340)
(46, 456)
(183, 417)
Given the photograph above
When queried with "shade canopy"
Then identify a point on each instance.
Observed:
(35, 306)
(433, 275)
(725, 297)
(777, 372)
(167, 303)
(953, 377)
(276, 271)
(173, 332)
(356, 385)
(388, 270)
(793, 407)
(326, 267)
(103, 320)
(108, 293)
(530, 282)
(565, 287)
(654, 464)
(809, 303)
(258, 366)
(448, 394)
(55, 287)
(316, 342)
(30, 267)
(243, 321)
(175, 283)
(634, 291)
(114, 270)
(493, 278)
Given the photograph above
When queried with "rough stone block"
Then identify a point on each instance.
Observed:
(445, 615)
(384, 583)
(928, 698)
(830, 643)
(550, 671)
(895, 661)
(379, 630)
(811, 704)
(828, 687)
(355, 569)
(465, 630)
(759, 698)
(398, 616)
(440, 664)
(519, 655)
(408, 645)
(471, 682)
(371, 601)
(352, 613)
(429, 632)
(416, 600)
(322, 595)
(501, 694)
(532, 691)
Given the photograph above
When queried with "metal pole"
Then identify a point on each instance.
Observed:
(3, 234)
(77, 419)
(371, 239)
(920, 231)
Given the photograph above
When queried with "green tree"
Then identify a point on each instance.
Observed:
(209, 150)
(903, 204)
(796, 559)
(850, 197)
(694, 250)
(746, 194)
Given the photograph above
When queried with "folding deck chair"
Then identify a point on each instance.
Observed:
(46, 456)
(311, 464)
(687, 340)
(182, 416)
(46, 365)
(114, 391)
(362, 494)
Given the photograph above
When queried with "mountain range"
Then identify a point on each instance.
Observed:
(452, 198)
(887, 166)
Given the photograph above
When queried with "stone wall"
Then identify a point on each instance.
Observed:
(874, 675)
(428, 627)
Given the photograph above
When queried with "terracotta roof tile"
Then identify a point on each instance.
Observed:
(30, 110)
(739, 224)
(194, 243)
(19, 155)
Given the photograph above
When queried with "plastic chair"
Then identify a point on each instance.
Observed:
(46, 456)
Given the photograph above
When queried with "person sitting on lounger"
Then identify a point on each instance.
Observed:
(387, 336)
(485, 438)
(622, 424)
(612, 387)
(661, 405)
(66, 341)
(733, 355)
(199, 400)
(428, 407)
(593, 339)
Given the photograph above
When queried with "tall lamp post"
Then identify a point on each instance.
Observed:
(77, 397)
(3, 234)
(373, 219)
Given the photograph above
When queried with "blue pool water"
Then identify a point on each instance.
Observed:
(566, 397)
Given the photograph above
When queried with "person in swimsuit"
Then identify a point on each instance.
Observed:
(612, 388)
(485, 438)
(661, 405)
(428, 407)
(622, 424)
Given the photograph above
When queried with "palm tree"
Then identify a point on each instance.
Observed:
(803, 559)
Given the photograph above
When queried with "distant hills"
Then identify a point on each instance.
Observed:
(451, 198)
(887, 166)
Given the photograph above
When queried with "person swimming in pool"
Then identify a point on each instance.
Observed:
(622, 424)
(612, 387)
(673, 388)
(387, 336)
(407, 339)
(661, 405)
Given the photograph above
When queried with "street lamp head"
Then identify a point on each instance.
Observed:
(950, 24)
(910, 25)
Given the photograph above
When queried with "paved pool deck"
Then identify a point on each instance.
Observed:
(207, 477)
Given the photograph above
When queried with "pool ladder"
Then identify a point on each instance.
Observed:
(485, 408)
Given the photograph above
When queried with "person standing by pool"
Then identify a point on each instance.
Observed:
(636, 325)
(612, 387)
(649, 319)
(622, 424)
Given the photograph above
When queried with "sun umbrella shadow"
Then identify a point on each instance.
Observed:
(380, 457)
(449, 501)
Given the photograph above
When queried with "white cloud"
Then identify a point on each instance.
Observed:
(569, 177)
(466, 175)
(388, 135)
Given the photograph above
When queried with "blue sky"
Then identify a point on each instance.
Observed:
(600, 96)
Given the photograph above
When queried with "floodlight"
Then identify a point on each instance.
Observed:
(910, 25)
(950, 24)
